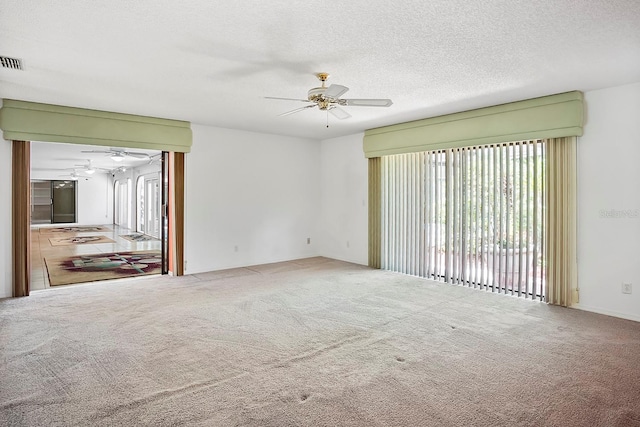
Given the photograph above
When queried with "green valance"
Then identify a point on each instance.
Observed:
(30, 121)
(539, 118)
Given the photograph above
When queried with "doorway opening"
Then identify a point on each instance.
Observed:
(101, 237)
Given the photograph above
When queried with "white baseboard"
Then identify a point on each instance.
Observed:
(607, 312)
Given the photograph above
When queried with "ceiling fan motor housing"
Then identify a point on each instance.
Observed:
(317, 95)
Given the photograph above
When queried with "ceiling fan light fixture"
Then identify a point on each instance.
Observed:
(90, 171)
(117, 157)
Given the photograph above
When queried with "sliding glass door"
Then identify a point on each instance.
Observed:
(53, 202)
(470, 216)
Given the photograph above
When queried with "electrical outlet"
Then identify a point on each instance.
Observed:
(308, 240)
(235, 249)
(626, 288)
(347, 243)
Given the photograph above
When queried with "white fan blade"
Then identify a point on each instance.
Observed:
(339, 113)
(296, 110)
(334, 91)
(97, 151)
(137, 155)
(287, 99)
(368, 102)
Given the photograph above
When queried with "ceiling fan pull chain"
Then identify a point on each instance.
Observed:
(327, 119)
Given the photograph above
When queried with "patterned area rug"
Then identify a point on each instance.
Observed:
(138, 237)
(90, 268)
(79, 240)
(79, 229)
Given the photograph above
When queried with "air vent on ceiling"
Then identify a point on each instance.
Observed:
(12, 63)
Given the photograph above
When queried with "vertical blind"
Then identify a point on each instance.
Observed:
(472, 216)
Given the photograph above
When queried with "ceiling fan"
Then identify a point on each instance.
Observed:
(89, 169)
(328, 99)
(120, 169)
(119, 155)
(75, 176)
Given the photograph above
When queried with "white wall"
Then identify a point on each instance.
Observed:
(257, 192)
(95, 197)
(609, 202)
(344, 194)
(151, 169)
(95, 200)
(6, 263)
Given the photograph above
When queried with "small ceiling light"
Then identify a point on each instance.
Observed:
(90, 171)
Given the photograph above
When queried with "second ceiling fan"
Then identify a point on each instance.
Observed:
(328, 99)
(119, 155)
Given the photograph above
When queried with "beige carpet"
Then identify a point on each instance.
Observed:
(79, 240)
(103, 266)
(310, 343)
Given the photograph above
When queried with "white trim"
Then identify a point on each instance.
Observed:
(635, 318)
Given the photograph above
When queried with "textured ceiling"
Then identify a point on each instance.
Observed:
(212, 62)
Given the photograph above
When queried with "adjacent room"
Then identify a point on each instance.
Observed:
(88, 222)
(340, 214)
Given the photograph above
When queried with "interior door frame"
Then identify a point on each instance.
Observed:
(164, 211)
(21, 222)
(20, 216)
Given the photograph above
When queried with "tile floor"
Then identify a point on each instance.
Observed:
(42, 248)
